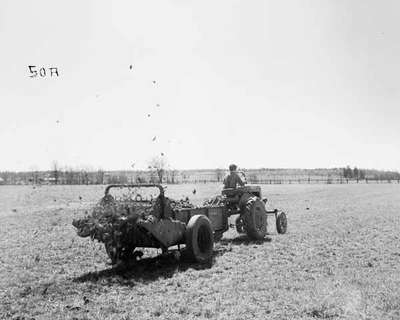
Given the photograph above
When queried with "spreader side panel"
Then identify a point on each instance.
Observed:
(218, 218)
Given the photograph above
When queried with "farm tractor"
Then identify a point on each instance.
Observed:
(166, 223)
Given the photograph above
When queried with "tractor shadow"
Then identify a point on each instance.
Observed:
(147, 269)
(243, 240)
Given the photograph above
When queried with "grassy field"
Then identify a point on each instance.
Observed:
(339, 260)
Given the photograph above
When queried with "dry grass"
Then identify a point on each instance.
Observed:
(339, 260)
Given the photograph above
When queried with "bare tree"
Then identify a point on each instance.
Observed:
(35, 174)
(173, 174)
(70, 176)
(100, 176)
(5, 177)
(9, 177)
(55, 171)
(158, 166)
(84, 175)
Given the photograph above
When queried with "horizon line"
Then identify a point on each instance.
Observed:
(198, 169)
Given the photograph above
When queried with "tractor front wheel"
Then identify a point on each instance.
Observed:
(281, 222)
(199, 238)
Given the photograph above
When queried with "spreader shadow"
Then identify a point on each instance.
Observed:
(147, 269)
(162, 266)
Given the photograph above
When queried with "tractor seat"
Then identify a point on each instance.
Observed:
(229, 192)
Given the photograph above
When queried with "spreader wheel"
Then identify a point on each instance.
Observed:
(116, 255)
(199, 238)
(112, 252)
(255, 219)
(281, 222)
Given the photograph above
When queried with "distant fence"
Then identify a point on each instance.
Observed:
(322, 181)
(250, 180)
(304, 181)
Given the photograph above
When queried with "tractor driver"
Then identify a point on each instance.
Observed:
(232, 180)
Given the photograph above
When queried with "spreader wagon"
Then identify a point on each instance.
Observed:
(159, 222)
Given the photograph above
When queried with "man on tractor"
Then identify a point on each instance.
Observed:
(232, 180)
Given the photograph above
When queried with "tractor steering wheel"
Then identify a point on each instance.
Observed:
(243, 176)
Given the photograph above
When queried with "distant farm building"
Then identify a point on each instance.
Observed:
(49, 180)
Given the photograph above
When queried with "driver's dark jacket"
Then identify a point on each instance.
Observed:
(232, 180)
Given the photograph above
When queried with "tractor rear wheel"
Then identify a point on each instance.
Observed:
(255, 219)
(199, 238)
(281, 222)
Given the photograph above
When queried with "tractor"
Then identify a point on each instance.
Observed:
(162, 223)
(247, 202)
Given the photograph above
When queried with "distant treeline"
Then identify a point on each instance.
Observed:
(161, 175)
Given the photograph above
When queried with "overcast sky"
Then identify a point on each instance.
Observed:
(258, 83)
